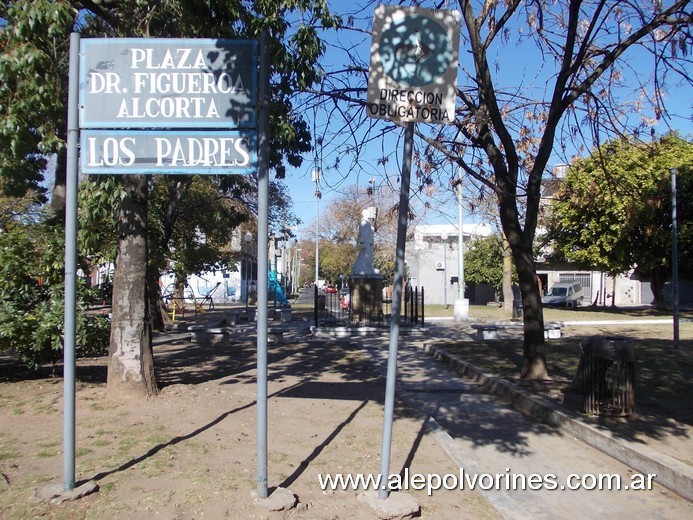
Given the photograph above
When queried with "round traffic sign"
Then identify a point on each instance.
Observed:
(415, 50)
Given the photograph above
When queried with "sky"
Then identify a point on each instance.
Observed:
(442, 209)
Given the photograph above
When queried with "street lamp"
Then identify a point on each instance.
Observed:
(297, 268)
(318, 196)
(461, 308)
(444, 238)
(290, 265)
(248, 239)
(674, 258)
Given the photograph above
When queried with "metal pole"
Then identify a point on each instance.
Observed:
(70, 268)
(396, 307)
(674, 258)
(315, 304)
(316, 180)
(461, 308)
(445, 272)
(460, 245)
(262, 267)
(317, 242)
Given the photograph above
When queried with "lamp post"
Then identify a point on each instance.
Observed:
(248, 238)
(461, 308)
(444, 238)
(318, 195)
(674, 258)
(297, 268)
(290, 266)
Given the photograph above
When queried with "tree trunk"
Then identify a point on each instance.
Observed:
(177, 189)
(131, 362)
(534, 352)
(508, 295)
(57, 204)
(157, 308)
(657, 282)
(534, 348)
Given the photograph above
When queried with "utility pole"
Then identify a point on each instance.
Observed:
(318, 196)
(674, 258)
(461, 306)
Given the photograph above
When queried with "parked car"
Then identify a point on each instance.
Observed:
(569, 294)
(330, 289)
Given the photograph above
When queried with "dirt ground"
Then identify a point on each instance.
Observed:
(191, 451)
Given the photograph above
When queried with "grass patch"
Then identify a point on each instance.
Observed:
(45, 409)
(485, 312)
(7, 453)
(48, 449)
(81, 452)
(663, 377)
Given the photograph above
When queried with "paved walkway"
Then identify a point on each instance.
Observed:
(485, 436)
(487, 439)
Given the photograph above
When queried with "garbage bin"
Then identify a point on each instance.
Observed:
(517, 309)
(606, 375)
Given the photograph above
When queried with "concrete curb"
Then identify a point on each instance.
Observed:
(356, 331)
(671, 473)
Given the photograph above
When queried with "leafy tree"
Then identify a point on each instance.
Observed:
(33, 126)
(190, 221)
(538, 80)
(483, 262)
(336, 259)
(339, 227)
(31, 287)
(613, 209)
(33, 89)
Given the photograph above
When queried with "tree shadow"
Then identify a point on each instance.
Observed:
(190, 364)
(305, 463)
(176, 440)
(663, 385)
(462, 408)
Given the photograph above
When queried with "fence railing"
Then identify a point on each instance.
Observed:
(337, 309)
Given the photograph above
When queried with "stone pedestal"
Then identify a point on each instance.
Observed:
(461, 309)
(366, 298)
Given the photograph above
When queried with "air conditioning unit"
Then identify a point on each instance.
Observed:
(440, 266)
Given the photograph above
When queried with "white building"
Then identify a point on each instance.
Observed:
(432, 259)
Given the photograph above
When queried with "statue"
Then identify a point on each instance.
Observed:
(364, 261)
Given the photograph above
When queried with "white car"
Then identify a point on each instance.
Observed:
(569, 294)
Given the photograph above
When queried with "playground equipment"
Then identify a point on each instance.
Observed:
(275, 289)
(178, 302)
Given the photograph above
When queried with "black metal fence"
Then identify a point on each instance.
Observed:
(337, 309)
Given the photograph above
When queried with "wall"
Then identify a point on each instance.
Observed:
(432, 259)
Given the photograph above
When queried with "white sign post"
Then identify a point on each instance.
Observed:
(413, 77)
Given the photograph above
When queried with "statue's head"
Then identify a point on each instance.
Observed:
(369, 214)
